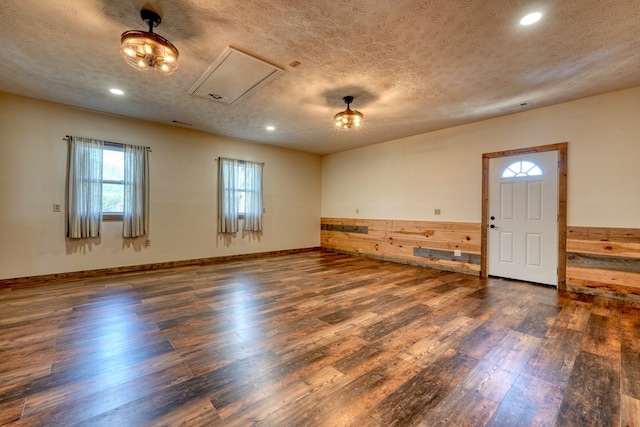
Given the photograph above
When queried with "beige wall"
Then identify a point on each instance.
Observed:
(402, 179)
(410, 177)
(183, 196)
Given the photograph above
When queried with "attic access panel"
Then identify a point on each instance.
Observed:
(234, 76)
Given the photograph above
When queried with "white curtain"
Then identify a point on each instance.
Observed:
(84, 183)
(253, 196)
(228, 196)
(239, 194)
(136, 191)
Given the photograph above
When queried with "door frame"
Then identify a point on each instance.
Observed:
(561, 148)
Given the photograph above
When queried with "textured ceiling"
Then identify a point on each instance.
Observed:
(412, 65)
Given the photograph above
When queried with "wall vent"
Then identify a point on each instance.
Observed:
(234, 76)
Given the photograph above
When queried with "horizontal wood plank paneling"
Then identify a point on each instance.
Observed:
(468, 247)
(604, 262)
(601, 277)
(425, 243)
(622, 249)
(630, 235)
(347, 228)
(597, 258)
(421, 226)
(447, 255)
(376, 229)
(604, 259)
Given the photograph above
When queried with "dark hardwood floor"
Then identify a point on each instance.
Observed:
(315, 339)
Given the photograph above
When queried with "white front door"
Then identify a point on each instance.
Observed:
(523, 217)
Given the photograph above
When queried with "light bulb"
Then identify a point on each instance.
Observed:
(531, 18)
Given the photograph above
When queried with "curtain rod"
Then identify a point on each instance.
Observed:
(241, 161)
(66, 138)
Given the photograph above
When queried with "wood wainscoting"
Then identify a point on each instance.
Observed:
(423, 243)
(599, 260)
(603, 259)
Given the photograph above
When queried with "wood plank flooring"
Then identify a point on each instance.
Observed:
(315, 339)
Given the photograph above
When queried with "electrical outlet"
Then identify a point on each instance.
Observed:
(147, 242)
(436, 211)
(457, 252)
(57, 207)
(357, 211)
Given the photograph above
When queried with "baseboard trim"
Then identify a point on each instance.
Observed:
(23, 282)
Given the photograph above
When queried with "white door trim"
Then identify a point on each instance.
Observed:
(562, 206)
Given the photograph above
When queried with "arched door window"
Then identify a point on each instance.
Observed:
(522, 168)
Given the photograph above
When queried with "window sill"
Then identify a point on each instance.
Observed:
(112, 217)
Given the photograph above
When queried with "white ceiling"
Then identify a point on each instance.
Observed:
(413, 66)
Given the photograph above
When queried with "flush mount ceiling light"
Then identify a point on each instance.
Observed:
(145, 50)
(531, 18)
(348, 118)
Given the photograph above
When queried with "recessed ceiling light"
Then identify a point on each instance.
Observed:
(531, 18)
(116, 91)
(270, 128)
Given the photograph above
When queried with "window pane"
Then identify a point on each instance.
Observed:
(113, 170)
(523, 168)
(113, 165)
(535, 171)
(241, 177)
(241, 202)
(526, 166)
(112, 198)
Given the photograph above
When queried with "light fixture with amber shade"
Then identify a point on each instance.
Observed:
(145, 50)
(348, 118)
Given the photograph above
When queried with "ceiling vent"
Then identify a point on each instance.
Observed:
(234, 76)
(515, 106)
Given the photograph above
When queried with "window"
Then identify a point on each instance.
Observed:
(106, 180)
(239, 195)
(112, 182)
(245, 190)
(523, 168)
